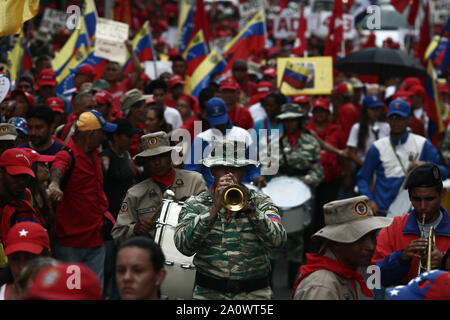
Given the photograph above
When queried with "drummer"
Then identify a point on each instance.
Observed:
(300, 158)
(231, 248)
(143, 202)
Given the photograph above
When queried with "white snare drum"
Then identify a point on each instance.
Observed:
(180, 279)
(293, 197)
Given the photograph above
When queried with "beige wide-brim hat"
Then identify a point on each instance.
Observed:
(228, 153)
(348, 220)
(156, 143)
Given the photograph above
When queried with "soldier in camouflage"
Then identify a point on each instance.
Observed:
(299, 157)
(231, 248)
(143, 202)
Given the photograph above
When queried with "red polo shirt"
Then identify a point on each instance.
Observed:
(79, 216)
(241, 117)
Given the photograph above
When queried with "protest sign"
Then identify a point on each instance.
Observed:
(110, 39)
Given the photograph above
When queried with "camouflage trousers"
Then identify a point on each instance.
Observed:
(294, 248)
(201, 293)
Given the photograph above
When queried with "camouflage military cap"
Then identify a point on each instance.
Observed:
(8, 132)
(348, 220)
(156, 143)
(228, 153)
(290, 111)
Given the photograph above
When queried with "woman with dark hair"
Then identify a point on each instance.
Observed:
(155, 121)
(140, 269)
(367, 130)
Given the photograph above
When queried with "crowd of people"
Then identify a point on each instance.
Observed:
(84, 179)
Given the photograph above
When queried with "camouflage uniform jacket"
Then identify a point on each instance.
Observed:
(304, 156)
(144, 200)
(237, 248)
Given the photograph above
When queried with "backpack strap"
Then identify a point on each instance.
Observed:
(66, 178)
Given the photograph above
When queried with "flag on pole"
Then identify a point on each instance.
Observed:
(195, 52)
(300, 41)
(432, 106)
(424, 38)
(295, 75)
(400, 6)
(201, 21)
(249, 41)
(212, 64)
(436, 50)
(65, 80)
(185, 25)
(14, 60)
(446, 57)
(335, 31)
(13, 13)
(90, 17)
(142, 47)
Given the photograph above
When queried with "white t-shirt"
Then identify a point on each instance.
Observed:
(173, 117)
(257, 112)
(352, 141)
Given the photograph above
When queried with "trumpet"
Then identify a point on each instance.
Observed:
(234, 197)
(431, 240)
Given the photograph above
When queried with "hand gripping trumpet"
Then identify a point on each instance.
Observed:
(430, 245)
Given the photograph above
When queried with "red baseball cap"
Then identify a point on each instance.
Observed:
(85, 69)
(409, 82)
(37, 157)
(17, 161)
(55, 103)
(28, 96)
(443, 88)
(300, 99)
(103, 97)
(403, 95)
(321, 103)
(229, 84)
(344, 89)
(417, 90)
(175, 79)
(26, 237)
(53, 283)
(47, 78)
(262, 90)
(271, 72)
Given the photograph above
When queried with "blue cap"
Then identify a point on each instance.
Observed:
(217, 112)
(372, 101)
(399, 107)
(20, 124)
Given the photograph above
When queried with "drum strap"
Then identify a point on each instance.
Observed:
(231, 286)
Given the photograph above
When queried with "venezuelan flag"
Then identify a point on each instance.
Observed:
(295, 75)
(13, 13)
(97, 62)
(249, 41)
(213, 63)
(142, 47)
(79, 38)
(76, 60)
(185, 25)
(90, 18)
(436, 50)
(16, 57)
(431, 105)
(195, 52)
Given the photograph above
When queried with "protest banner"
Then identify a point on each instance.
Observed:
(110, 40)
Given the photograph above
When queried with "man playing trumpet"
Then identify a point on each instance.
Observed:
(403, 246)
(231, 229)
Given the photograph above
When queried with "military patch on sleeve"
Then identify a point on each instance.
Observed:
(183, 212)
(273, 208)
(124, 207)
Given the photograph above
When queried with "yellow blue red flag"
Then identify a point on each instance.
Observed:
(295, 75)
(142, 47)
(195, 52)
(13, 13)
(212, 64)
(185, 25)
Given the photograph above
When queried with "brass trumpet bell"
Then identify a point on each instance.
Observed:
(234, 198)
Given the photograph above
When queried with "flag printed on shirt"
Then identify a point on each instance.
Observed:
(295, 75)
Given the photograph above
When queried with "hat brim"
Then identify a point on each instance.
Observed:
(157, 151)
(214, 162)
(47, 83)
(9, 137)
(402, 114)
(109, 127)
(352, 231)
(215, 121)
(290, 115)
(376, 105)
(24, 247)
(15, 170)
